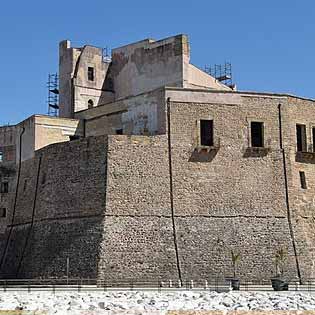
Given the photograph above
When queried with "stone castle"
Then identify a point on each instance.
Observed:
(156, 170)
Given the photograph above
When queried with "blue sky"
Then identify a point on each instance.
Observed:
(271, 44)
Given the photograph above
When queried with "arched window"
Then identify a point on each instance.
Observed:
(90, 104)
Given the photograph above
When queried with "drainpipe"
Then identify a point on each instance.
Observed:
(171, 185)
(287, 195)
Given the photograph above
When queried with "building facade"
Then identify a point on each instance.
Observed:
(156, 170)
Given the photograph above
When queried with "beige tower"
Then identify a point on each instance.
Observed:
(82, 76)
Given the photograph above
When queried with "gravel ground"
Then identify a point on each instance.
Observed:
(144, 301)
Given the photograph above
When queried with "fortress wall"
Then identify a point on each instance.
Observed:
(138, 241)
(105, 202)
(302, 201)
(228, 199)
(61, 216)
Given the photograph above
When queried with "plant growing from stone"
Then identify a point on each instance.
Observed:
(280, 258)
(235, 259)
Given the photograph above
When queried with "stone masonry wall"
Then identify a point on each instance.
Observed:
(228, 199)
(302, 201)
(58, 214)
(138, 240)
(105, 202)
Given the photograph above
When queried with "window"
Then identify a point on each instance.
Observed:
(25, 185)
(44, 179)
(301, 144)
(257, 134)
(90, 73)
(303, 180)
(119, 131)
(313, 136)
(1, 156)
(3, 212)
(206, 132)
(4, 187)
(90, 104)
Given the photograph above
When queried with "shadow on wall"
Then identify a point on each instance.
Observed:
(203, 155)
(68, 217)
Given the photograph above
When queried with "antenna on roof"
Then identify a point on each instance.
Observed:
(222, 73)
(53, 94)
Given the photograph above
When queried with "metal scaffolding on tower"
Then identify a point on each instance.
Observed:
(222, 73)
(53, 94)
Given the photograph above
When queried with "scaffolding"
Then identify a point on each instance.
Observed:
(222, 73)
(106, 55)
(53, 94)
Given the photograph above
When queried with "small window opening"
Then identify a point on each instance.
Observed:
(1, 156)
(90, 73)
(90, 104)
(303, 180)
(3, 212)
(313, 136)
(119, 131)
(25, 185)
(4, 187)
(206, 132)
(257, 134)
(74, 137)
(44, 179)
(301, 144)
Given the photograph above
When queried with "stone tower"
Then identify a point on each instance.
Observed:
(82, 76)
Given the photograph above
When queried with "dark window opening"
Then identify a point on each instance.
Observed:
(90, 73)
(119, 131)
(303, 180)
(25, 185)
(313, 136)
(3, 212)
(1, 156)
(90, 104)
(74, 137)
(4, 187)
(257, 134)
(44, 179)
(301, 144)
(206, 132)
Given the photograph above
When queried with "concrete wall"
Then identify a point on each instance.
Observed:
(75, 89)
(140, 115)
(149, 64)
(134, 69)
(197, 78)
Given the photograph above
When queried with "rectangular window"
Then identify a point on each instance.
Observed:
(303, 180)
(90, 73)
(3, 212)
(301, 144)
(313, 136)
(1, 156)
(119, 131)
(257, 134)
(206, 132)
(4, 187)
(25, 184)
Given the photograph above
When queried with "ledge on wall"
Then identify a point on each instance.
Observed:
(256, 152)
(204, 153)
(305, 157)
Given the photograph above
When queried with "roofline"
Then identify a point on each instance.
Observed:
(34, 116)
(239, 92)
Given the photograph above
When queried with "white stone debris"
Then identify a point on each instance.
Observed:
(141, 302)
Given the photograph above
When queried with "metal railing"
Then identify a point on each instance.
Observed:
(83, 285)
